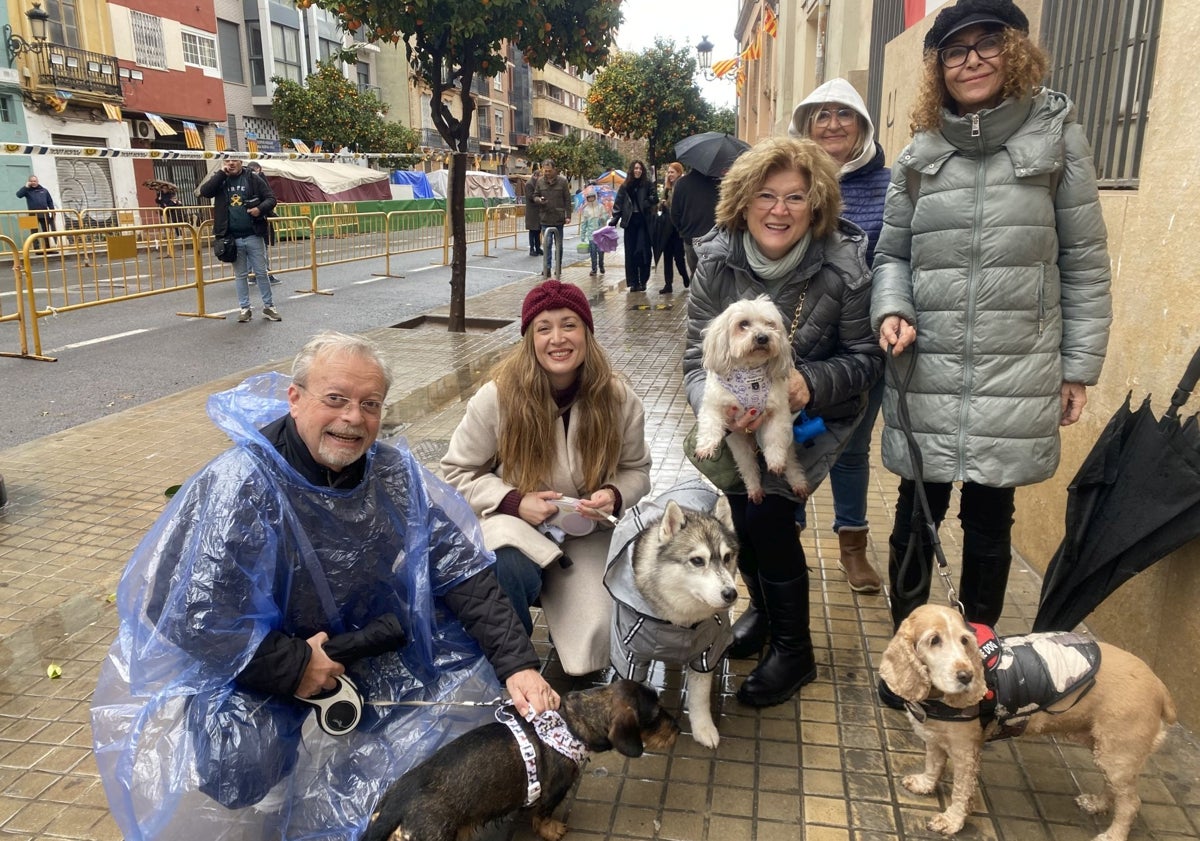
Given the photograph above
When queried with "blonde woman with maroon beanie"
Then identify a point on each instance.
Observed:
(554, 423)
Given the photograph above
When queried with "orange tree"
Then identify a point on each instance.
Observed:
(449, 44)
(330, 108)
(649, 96)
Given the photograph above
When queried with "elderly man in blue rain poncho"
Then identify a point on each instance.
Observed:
(306, 532)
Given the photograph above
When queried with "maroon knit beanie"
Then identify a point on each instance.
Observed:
(552, 295)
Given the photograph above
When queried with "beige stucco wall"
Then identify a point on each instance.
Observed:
(1156, 328)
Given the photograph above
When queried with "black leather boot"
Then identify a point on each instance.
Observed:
(750, 629)
(789, 662)
(984, 580)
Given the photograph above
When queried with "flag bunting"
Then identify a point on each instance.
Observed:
(192, 135)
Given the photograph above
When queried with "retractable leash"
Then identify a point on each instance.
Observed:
(339, 709)
(922, 517)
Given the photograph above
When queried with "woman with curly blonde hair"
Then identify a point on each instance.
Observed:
(547, 452)
(993, 252)
(778, 234)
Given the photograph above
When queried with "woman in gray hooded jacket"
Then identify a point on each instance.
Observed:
(991, 283)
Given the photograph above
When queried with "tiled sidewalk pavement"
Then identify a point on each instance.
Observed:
(823, 767)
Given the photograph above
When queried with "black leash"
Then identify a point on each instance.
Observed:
(922, 516)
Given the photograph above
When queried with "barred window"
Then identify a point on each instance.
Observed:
(148, 47)
(1103, 57)
(199, 50)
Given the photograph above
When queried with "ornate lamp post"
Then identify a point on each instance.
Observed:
(37, 25)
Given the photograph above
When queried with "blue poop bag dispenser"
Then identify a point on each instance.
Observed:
(805, 429)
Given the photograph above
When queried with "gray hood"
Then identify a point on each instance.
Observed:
(836, 90)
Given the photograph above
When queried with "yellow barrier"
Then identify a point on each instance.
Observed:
(498, 222)
(62, 280)
(409, 231)
(10, 253)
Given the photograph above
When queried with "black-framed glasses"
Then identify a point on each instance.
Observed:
(844, 116)
(989, 46)
(373, 408)
(769, 201)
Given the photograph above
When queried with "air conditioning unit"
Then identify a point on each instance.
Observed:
(141, 130)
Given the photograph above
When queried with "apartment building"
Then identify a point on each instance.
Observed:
(172, 46)
(259, 40)
(66, 70)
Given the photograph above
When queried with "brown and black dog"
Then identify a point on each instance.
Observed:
(481, 776)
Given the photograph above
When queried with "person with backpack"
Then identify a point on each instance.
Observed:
(991, 291)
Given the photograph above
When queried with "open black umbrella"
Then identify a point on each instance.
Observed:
(712, 152)
(1135, 499)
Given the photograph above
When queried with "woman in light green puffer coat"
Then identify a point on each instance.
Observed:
(991, 281)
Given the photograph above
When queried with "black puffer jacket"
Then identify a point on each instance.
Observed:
(833, 347)
(641, 195)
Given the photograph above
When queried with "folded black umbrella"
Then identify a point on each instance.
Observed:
(378, 637)
(1135, 499)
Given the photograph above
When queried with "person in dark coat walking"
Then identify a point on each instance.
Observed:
(668, 242)
(533, 218)
(693, 211)
(633, 209)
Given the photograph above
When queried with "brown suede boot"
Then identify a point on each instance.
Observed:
(860, 575)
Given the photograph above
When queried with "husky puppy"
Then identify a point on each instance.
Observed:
(672, 577)
(748, 359)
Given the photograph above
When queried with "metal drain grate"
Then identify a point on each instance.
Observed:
(429, 451)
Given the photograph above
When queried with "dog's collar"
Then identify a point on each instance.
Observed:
(552, 731)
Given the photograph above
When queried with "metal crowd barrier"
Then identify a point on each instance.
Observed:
(60, 277)
(10, 253)
(86, 265)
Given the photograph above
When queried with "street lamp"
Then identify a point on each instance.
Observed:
(37, 25)
(704, 54)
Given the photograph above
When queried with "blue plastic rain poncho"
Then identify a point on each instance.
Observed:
(247, 546)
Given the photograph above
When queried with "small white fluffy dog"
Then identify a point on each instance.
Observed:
(748, 360)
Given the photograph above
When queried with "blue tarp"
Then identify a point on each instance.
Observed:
(420, 184)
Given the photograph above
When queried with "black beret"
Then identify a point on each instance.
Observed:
(966, 13)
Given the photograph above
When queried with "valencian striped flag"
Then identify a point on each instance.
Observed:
(160, 125)
(222, 138)
(192, 135)
(317, 146)
(770, 23)
(721, 68)
(299, 145)
(252, 142)
(112, 111)
(753, 51)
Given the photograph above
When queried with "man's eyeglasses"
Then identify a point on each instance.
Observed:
(374, 408)
(768, 201)
(844, 116)
(989, 46)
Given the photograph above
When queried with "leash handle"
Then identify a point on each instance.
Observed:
(922, 518)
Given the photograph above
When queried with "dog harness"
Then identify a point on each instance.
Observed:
(1024, 675)
(749, 386)
(552, 731)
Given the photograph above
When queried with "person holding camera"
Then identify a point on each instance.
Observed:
(39, 202)
(242, 200)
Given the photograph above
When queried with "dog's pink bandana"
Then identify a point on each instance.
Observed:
(552, 731)
(750, 386)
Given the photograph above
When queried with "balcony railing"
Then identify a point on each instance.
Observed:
(72, 69)
(431, 138)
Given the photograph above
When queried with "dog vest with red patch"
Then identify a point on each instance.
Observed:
(1024, 675)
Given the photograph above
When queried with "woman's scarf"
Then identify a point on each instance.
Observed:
(768, 269)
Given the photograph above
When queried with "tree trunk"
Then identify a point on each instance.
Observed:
(458, 254)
